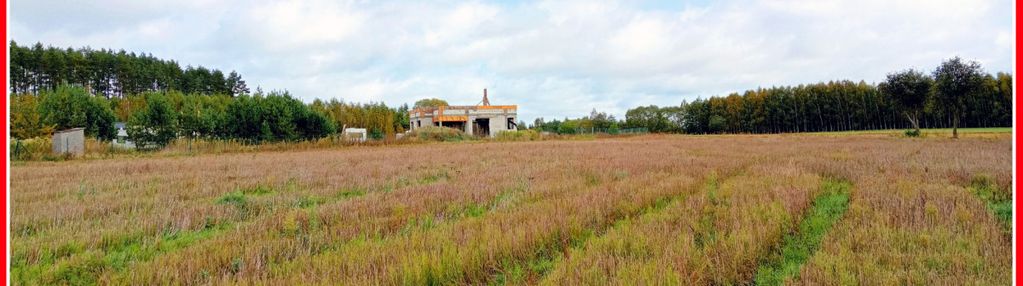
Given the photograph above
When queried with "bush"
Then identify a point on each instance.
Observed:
(435, 133)
(912, 133)
(30, 149)
(518, 135)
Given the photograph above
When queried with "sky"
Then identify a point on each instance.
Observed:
(554, 59)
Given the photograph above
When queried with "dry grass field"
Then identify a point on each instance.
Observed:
(655, 209)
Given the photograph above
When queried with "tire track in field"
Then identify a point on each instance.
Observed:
(310, 227)
(798, 246)
(549, 224)
(716, 228)
(534, 270)
(251, 205)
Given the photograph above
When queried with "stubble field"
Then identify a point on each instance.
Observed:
(866, 209)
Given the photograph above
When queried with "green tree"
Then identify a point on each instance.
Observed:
(909, 90)
(236, 84)
(192, 117)
(430, 102)
(651, 117)
(37, 68)
(155, 126)
(72, 107)
(613, 129)
(716, 124)
(568, 127)
(275, 116)
(313, 124)
(401, 118)
(954, 81)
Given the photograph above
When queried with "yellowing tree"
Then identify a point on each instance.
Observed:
(25, 119)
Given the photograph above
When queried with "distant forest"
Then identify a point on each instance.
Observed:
(112, 73)
(956, 90)
(54, 89)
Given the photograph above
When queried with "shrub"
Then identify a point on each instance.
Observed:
(30, 149)
(912, 133)
(518, 135)
(435, 133)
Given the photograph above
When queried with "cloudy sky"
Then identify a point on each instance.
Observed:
(552, 58)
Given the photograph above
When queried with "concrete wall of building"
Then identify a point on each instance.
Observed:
(455, 112)
(71, 141)
(497, 124)
(423, 122)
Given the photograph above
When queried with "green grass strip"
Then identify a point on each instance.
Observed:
(999, 202)
(827, 209)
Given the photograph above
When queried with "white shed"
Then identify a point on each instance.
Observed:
(70, 141)
(355, 134)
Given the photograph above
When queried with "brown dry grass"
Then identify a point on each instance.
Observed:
(704, 209)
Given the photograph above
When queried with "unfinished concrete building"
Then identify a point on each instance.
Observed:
(483, 119)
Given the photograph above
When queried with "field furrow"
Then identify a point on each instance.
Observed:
(715, 236)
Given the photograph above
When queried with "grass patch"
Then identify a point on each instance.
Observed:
(471, 210)
(236, 198)
(518, 135)
(122, 257)
(353, 192)
(529, 272)
(827, 209)
(257, 190)
(418, 224)
(309, 201)
(999, 202)
(705, 232)
(70, 264)
(435, 177)
(435, 133)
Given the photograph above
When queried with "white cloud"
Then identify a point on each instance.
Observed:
(552, 58)
(291, 25)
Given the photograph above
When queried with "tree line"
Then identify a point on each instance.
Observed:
(112, 74)
(54, 89)
(600, 121)
(956, 94)
(155, 118)
(47, 96)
